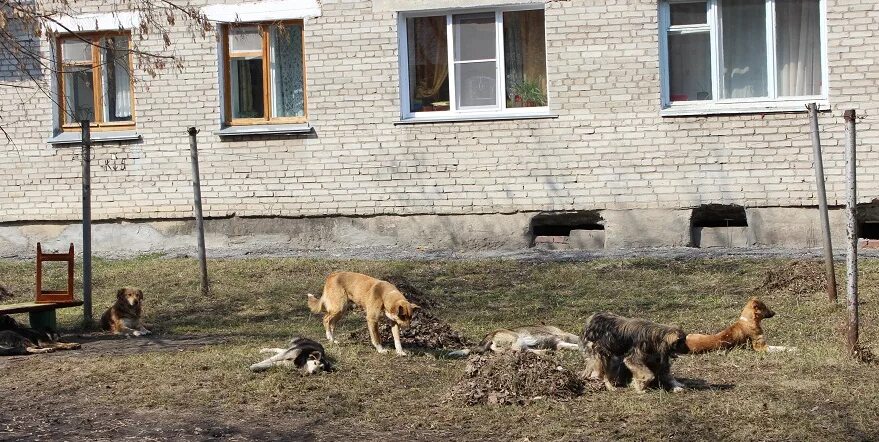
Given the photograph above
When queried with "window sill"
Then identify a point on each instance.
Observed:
(264, 129)
(690, 110)
(75, 137)
(481, 117)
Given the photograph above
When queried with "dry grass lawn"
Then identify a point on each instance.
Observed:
(191, 383)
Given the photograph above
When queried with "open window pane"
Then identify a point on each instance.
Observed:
(525, 58)
(288, 89)
(116, 78)
(689, 13)
(76, 51)
(743, 24)
(689, 66)
(476, 84)
(798, 47)
(428, 64)
(247, 87)
(474, 36)
(79, 94)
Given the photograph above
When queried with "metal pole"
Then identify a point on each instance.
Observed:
(822, 205)
(199, 219)
(86, 223)
(851, 256)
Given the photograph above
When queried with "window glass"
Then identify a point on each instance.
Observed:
(474, 36)
(116, 79)
(246, 72)
(75, 50)
(288, 89)
(428, 64)
(245, 39)
(744, 48)
(798, 47)
(477, 84)
(525, 58)
(689, 62)
(475, 59)
(688, 13)
(79, 94)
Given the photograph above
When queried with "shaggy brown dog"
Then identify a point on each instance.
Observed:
(16, 339)
(746, 330)
(645, 349)
(377, 298)
(124, 316)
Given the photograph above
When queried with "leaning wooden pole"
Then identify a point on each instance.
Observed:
(822, 205)
(86, 223)
(851, 257)
(199, 219)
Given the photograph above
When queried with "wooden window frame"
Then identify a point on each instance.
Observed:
(265, 34)
(94, 40)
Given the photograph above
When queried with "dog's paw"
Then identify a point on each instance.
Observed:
(402, 353)
(139, 333)
(381, 350)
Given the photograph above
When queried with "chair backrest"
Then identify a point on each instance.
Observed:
(54, 295)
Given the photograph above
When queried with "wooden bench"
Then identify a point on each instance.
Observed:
(41, 312)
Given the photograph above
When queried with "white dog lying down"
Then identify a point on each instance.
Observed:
(536, 339)
(302, 353)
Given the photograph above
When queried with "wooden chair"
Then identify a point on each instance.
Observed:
(54, 295)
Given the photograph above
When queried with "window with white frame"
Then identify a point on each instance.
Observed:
(736, 52)
(465, 63)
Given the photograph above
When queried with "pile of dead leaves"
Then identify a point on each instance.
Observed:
(800, 278)
(518, 379)
(4, 293)
(426, 331)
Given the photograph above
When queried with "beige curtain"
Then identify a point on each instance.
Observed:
(428, 41)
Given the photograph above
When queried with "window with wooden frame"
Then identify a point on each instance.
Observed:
(95, 81)
(264, 79)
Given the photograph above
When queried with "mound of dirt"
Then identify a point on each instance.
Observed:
(425, 331)
(518, 379)
(800, 278)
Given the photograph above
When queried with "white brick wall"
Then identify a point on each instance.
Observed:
(608, 149)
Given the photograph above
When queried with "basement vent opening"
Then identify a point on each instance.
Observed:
(562, 223)
(868, 220)
(719, 215)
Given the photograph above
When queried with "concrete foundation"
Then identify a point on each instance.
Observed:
(796, 228)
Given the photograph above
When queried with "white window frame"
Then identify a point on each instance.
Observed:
(773, 103)
(482, 112)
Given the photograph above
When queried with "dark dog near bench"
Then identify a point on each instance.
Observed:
(16, 339)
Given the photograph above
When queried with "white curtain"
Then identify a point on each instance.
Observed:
(744, 49)
(117, 80)
(123, 89)
(798, 51)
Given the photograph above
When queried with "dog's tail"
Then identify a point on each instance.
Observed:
(314, 304)
(483, 347)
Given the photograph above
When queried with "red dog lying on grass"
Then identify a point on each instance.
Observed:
(746, 330)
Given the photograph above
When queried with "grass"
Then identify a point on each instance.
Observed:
(815, 393)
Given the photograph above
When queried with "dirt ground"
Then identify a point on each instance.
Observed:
(189, 380)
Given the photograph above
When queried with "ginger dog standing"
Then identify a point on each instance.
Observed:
(375, 296)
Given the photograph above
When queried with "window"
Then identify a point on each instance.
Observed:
(473, 63)
(264, 77)
(94, 80)
(742, 52)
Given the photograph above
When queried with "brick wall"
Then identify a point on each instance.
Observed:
(608, 149)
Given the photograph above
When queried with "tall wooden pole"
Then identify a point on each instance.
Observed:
(86, 223)
(199, 219)
(851, 257)
(822, 204)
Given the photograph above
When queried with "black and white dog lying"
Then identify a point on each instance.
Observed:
(302, 353)
(624, 348)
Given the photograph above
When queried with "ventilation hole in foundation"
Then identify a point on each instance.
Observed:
(719, 215)
(868, 220)
(560, 224)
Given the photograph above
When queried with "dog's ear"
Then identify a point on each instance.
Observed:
(120, 294)
(315, 356)
(414, 306)
(140, 294)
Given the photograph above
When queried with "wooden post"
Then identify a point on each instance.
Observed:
(822, 205)
(86, 223)
(199, 219)
(851, 257)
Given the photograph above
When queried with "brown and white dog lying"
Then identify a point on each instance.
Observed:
(377, 298)
(124, 316)
(744, 332)
(629, 347)
(535, 339)
(16, 339)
